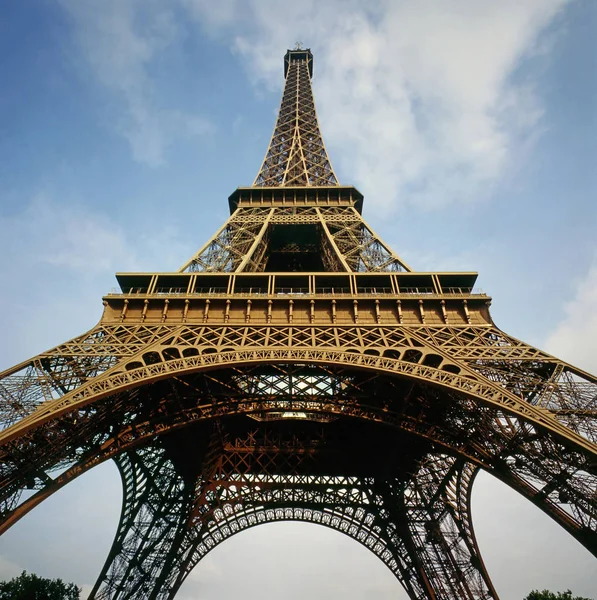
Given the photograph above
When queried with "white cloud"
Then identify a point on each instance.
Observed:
(575, 337)
(67, 237)
(417, 99)
(72, 237)
(119, 40)
(213, 16)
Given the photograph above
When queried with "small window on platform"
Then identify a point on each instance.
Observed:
(211, 284)
(374, 284)
(415, 283)
(292, 285)
(457, 283)
(172, 284)
(251, 284)
(131, 283)
(334, 284)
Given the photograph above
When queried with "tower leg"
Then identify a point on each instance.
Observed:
(556, 478)
(431, 515)
(156, 504)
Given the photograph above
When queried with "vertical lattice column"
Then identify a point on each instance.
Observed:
(437, 510)
(429, 517)
(157, 501)
(296, 155)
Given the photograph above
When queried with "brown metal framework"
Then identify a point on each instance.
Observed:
(296, 155)
(297, 369)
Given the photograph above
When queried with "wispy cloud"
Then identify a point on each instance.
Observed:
(418, 100)
(75, 239)
(72, 253)
(120, 40)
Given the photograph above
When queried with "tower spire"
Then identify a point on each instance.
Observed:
(296, 155)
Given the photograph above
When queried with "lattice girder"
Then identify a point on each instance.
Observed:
(296, 155)
(435, 506)
(65, 368)
(502, 439)
(567, 398)
(184, 348)
(231, 494)
(152, 522)
(348, 242)
(296, 314)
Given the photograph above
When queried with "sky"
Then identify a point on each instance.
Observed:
(470, 127)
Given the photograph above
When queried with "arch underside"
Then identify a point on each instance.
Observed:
(414, 516)
(480, 361)
(413, 513)
(441, 410)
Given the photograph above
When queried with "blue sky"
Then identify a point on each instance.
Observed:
(470, 128)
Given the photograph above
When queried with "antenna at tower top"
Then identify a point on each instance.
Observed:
(298, 46)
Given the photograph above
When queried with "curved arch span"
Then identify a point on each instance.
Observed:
(467, 382)
(472, 427)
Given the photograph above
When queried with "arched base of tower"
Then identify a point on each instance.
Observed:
(196, 487)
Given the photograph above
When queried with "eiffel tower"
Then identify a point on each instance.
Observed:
(296, 368)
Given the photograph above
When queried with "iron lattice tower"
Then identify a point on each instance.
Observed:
(297, 369)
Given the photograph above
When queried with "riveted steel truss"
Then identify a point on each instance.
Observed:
(246, 388)
(342, 237)
(556, 475)
(250, 476)
(296, 155)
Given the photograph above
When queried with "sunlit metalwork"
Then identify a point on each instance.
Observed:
(296, 368)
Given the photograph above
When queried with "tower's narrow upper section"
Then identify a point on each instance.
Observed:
(296, 155)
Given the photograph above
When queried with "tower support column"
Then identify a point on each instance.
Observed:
(153, 525)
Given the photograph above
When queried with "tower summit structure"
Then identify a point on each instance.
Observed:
(295, 368)
(296, 154)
